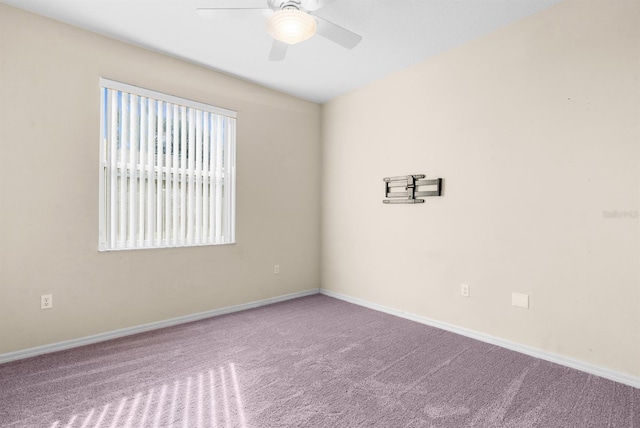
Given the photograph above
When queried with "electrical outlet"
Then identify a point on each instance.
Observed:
(464, 290)
(46, 301)
(276, 269)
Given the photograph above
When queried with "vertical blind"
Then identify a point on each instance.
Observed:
(167, 170)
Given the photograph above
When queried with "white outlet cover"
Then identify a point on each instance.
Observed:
(520, 300)
(464, 290)
(46, 301)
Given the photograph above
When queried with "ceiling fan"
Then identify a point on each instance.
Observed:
(292, 21)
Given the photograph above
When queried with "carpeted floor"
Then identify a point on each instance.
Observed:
(309, 362)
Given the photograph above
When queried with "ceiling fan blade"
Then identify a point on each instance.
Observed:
(278, 50)
(215, 12)
(311, 5)
(337, 34)
(233, 4)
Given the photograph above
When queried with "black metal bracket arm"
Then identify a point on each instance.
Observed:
(410, 183)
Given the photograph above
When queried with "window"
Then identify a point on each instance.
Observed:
(167, 170)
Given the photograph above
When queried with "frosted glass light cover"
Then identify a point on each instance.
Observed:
(291, 26)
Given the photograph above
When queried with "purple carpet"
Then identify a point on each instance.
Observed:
(309, 362)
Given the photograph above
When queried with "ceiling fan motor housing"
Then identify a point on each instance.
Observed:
(286, 4)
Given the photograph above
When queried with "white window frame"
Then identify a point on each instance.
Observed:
(196, 204)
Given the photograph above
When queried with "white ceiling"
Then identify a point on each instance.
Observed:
(396, 34)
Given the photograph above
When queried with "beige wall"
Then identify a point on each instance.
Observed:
(49, 142)
(536, 130)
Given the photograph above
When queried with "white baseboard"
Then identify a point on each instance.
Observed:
(73, 343)
(534, 352)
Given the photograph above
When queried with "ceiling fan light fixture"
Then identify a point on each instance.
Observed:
(291, 26)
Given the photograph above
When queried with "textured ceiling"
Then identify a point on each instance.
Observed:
(396, 34)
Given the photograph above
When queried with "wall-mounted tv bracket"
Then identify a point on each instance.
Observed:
(410, 184)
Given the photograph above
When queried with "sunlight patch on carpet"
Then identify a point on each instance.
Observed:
(202, 399)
